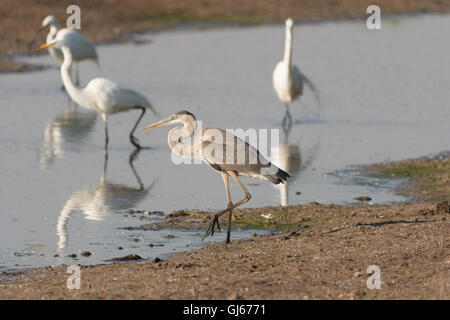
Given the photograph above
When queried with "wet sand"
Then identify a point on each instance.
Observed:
(323, 253)
(115, 21)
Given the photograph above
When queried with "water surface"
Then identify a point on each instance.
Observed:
(384, 96)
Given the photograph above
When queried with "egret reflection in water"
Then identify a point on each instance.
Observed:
(98, 202)
(72, 126)
(289, 158)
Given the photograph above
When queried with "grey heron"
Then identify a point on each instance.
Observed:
(223, 152)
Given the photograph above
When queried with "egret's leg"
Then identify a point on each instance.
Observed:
(105, 164)
(133, 139)
(287, 120)
(215, 220)
(105, 120)
(133, 156)
(76, 74)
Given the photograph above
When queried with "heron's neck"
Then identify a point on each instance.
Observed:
(74, 92)
(176, 136)
(288, 47)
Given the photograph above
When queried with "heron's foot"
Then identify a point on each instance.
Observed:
(212, 225)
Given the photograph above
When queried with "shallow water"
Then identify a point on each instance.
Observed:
(384, 96)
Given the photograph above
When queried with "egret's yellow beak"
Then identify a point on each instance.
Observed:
(161, 123)
(44, 46)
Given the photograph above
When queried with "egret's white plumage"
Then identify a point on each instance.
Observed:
(80, 47)
(222, 151)
(100, 94)
(287, 78)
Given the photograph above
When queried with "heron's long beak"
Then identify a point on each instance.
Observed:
(44, 46)
(161, 123)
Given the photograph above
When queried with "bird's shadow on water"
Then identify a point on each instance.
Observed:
(98, 202)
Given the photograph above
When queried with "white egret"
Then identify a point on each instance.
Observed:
(222, 151)
(287, 79)
(80, 47)
(100, 94)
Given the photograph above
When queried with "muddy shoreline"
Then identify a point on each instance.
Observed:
(116, 21)
(323, 253)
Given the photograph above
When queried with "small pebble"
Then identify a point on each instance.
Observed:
(86, 253)
(363, 198)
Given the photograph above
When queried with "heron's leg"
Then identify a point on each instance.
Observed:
(210, 230)
(247, 194)
(105, 120)
(230, 204)
(215, 220)
(133, 139)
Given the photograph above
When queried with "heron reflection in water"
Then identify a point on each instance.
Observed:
(72, 126)
(288, 157)
(100, 201)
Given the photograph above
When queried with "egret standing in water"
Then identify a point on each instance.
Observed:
(100, 94)
(287, 78)
(80, 47)
(222, 151)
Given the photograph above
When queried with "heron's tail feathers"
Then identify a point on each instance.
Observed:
(279, 176)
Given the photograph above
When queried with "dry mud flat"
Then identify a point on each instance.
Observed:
(409, 243)
(323, 252)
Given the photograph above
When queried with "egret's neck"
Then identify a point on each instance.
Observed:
(74, 92)
(52, 34)
(176, 137)
(288, 47)
(53, 29)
